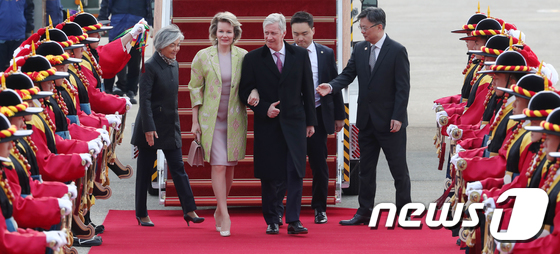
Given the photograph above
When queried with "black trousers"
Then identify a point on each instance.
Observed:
(371, 142)
(271, 200)
(317, 154)
(146, 158)
(129, 75)
(6, 52)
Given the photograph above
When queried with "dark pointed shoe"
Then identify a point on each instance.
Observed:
(280, 223)
(145, 221)
(320, 217)
(188, 219)
(296, 228)
(272, 229)
(356, 220)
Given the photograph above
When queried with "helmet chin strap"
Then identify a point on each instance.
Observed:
(507, 83)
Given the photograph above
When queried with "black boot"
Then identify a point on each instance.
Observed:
(130, 95)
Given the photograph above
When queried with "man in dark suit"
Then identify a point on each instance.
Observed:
(383, 71)
(329, 110)
(284, 117)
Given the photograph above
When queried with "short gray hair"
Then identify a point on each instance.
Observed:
(167, 35)
(275, 18)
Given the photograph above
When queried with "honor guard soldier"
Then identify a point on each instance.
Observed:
(13, 239)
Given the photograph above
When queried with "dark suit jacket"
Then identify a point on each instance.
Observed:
(274, 137)
(332, 105)
(159, 86)
(383, 93)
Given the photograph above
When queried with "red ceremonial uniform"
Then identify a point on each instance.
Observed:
(30, 212)
(494, 187)
(24, 241)
(62, 167)
(112, 59)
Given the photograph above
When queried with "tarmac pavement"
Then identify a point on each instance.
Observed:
(437, 59)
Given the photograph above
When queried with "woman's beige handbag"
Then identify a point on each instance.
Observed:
(196, 153)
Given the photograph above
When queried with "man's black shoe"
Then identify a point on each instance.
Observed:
(320, 217)
(94, 241)
(130, 95)
(356, 220)
(117, 91)
(296, 228)
(280, 223)
(272, 229)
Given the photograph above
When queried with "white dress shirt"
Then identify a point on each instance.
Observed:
(377, 49)
(378, 46)
(282, 54)
(312, 50)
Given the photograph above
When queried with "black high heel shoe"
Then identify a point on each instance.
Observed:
(197, 219)
(144, 224)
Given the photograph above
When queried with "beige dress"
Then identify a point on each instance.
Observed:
(219, 140)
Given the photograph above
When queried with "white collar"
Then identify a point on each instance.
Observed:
(379, 43)
(5, 159)
(282, 51)
(312, 47)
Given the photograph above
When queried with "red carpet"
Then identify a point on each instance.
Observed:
(171, 235)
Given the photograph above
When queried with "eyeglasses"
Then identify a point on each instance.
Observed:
(367, 28)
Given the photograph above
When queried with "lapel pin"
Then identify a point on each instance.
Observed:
(365, 48)
(321, 52)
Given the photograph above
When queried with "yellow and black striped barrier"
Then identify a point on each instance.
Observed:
(346, 174)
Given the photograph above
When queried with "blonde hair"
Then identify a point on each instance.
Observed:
(224, 17)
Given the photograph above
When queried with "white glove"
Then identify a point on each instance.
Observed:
(128, 104)
(65, 204)
(454, 159)
(450, 129)
(86, 157)
(104, 136)
(507, 179)
(114, 121)
(102, 131)
(489, 203)
(57, 237)
(458, 149)
(500, 246)
(73, 190)
(488, 211)
(94, 145)
(137, 29)
(435, 106)
(474, 186)
(439, 115)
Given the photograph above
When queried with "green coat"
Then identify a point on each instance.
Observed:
(205, 90)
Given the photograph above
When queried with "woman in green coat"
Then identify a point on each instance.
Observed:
(218, 114)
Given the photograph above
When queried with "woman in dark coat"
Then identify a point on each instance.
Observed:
(157, 125)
